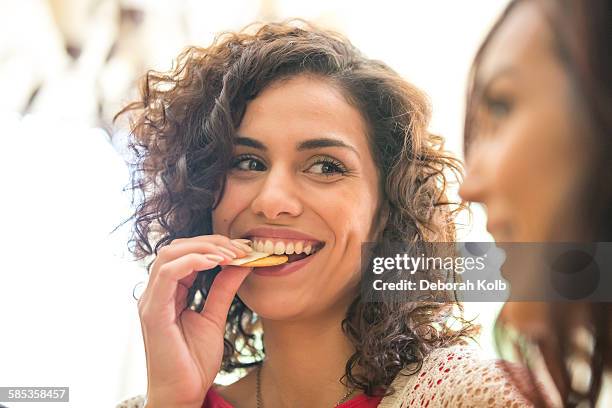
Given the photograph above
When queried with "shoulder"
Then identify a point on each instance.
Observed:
(456, 376)
(135, 402)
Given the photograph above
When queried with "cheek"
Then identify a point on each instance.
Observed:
(533, 175)
(233, 202)
(518, 160)
(350, 213)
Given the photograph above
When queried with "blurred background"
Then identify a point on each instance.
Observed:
(66, 67)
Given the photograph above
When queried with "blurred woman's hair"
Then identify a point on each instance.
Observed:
(182, 137)
(582, 31)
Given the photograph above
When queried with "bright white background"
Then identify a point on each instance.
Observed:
(66, 308)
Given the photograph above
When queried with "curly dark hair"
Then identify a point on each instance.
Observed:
(182, 134)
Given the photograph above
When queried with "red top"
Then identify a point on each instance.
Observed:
(214, 400)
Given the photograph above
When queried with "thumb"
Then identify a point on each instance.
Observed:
(207, 329)
(222, 292)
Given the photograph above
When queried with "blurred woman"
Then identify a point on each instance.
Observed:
(290, 140)
(538, 142)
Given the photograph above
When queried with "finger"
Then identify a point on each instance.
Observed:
(208, 327)
(163, 290)
(175, 251)
(236, 243)
(171, 252)
(215, 244)
(222, 292)
(168, 254)
(181, 299)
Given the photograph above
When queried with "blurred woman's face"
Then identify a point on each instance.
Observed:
(526, 156)
(301, 164)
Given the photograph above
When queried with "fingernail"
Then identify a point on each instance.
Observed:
(241, 245)
(228, 252)
(214, 257)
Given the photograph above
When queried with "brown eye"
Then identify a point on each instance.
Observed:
(247, 163)
(328, 167)
(498, 107)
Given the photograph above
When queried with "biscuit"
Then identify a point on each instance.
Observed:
(271, 260)
(253, 258)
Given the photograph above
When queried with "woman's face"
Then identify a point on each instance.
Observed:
(526, 156)
(302, 163)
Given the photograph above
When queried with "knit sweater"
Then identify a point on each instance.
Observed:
(449, 377)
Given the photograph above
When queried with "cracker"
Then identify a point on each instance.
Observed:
(271, 260)
(251, 256)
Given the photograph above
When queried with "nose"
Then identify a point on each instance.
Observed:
(474, 184)
(278, 196)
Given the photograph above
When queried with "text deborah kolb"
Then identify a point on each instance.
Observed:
(423, 284)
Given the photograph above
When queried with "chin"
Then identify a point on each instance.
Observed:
(272, 305)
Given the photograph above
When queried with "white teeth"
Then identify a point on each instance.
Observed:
(279, 248)
(289, 249)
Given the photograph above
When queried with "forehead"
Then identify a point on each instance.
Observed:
(523, 40)
(303, 106)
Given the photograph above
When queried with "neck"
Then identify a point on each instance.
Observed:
(305, 356)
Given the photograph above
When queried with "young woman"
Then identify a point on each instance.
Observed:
(289, 138)
(539, 154)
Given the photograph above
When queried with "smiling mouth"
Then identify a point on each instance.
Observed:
(295, 250)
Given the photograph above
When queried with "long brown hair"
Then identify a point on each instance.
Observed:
(182, 138)
(582, 31)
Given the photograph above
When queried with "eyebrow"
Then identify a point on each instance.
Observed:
(483, 84)
(309, 144)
